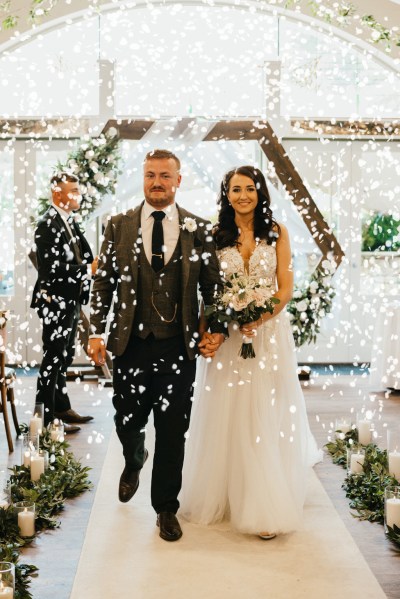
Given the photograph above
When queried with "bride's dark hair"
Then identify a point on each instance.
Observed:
(226, 232)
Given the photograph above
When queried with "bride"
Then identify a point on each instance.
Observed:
(250, 444)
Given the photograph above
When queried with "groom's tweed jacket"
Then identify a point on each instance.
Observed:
(117, 279)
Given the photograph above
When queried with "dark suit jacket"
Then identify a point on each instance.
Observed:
(59, 271)
(117, 278)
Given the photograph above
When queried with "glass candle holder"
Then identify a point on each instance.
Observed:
(355, 460)
(393, 448)
(7, 580)
(57, 431)
(36, 422)
(365, 427)
(45, 455)
(342, 426)
(5, 495)
(25, 511)
(29, 445)
(4, 501)
(392, 507)
(37, 465)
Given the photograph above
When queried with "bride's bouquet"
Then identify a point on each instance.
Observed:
(244, 299)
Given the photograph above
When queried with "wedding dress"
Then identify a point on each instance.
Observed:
(249, 444)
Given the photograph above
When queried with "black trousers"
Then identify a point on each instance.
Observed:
(59, 332)
(155, 374)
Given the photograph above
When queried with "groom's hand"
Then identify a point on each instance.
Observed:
(210, 343)
(97, 351)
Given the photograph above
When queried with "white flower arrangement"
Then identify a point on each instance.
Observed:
(189, 224)
(243, 300)
(96, 164)
(312, 300)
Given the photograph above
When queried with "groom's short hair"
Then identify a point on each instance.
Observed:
(62, 177)
(161, 155)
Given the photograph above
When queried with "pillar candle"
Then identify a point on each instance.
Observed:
(364, 432)
(393, 512)
(37, 467)
(26, 523)
(6, 592)
(35, 425)
(394, 464)
(356, 463)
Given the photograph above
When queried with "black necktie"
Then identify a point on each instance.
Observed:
(157, 241)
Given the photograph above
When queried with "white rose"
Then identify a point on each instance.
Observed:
(297, 294)
(189, 224)
(303, 316)
(89, 154)
(94, 166)
(301, 306)
(111, 132)
(99, 178)
(313, 286)
(328, 266)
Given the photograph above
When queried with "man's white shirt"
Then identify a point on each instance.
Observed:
(170, 228)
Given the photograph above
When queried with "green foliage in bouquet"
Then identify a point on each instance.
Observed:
(243, 300)
(382, 233)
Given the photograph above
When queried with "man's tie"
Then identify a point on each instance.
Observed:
(157, 241)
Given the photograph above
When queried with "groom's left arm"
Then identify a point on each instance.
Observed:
(210, 280)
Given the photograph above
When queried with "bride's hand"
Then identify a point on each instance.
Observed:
(210, 343)
(250, 328)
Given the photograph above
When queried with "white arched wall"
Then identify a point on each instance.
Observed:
(386, 12)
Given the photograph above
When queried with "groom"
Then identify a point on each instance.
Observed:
(152, 262)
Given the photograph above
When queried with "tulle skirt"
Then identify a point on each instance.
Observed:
(249, 444)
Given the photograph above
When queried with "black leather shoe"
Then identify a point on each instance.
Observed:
(71, 416)
(170, 529)
(71, 428)
(129, 481)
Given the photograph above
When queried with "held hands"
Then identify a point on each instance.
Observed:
(210, 343)
(94, 265)
(97, 351)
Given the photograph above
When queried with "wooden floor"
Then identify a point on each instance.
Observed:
(57, 553)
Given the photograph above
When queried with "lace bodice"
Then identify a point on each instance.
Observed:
(262, 263)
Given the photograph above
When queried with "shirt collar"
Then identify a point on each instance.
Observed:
(61, 212)
(171, 211)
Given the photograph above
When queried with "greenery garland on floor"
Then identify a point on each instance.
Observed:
(366, 491)
(65, 478)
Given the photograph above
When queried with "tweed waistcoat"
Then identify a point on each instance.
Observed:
(158, 309)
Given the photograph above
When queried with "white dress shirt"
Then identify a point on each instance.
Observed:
(170, 228)
(65, 216)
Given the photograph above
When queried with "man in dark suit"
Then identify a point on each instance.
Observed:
(152, 262)
(65, 267)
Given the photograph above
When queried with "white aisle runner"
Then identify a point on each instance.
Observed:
(123, 557)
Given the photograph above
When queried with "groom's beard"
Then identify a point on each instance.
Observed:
(160, 199)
